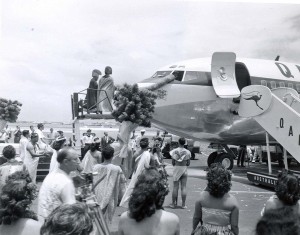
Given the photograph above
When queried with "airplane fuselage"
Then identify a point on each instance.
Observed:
(191, 107)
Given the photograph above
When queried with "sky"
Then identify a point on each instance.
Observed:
(48, 48)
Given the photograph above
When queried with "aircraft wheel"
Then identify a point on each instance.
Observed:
(226, 160)
(211, 158)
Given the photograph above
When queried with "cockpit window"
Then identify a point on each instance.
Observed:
(160, 74)
(197, 75)
(178, 75)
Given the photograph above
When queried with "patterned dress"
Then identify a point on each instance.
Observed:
(110, 184)
(142, 162)
(215, 221)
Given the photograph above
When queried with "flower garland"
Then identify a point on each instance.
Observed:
(9, 110)
(134, 105)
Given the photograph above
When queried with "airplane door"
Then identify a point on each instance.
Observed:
(223, 75)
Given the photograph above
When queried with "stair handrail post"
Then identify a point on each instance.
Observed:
(285, 159)
(268, 153)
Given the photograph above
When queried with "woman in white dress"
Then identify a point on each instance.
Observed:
(32, 156)
(142, 161)
(91, 158)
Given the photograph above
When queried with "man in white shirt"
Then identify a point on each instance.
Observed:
(42, 143)
(31, 130)
(51, 136)
(86, 142)
(138, 139)
(58, 187)
(23, 144)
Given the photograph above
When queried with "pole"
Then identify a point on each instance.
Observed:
(285, 159)
(268, 153)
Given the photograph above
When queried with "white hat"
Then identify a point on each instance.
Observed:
(143, 130)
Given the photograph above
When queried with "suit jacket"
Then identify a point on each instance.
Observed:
(105, 142)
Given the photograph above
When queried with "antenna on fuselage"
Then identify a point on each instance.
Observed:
(277, 58)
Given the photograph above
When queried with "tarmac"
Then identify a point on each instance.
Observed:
(251, 197)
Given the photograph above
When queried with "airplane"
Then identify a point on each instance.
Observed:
(202, 102)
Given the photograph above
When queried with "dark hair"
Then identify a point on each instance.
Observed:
(94, 146)
(108, 70)
(279, 221)
(181, 141)
(25, 132)
(144, 142)
(97, 71)
(33, 135)
(63, 154)
(16, 197)
(68, 219)
(58, 143)
(9, 152)
(108, 152)
(287, 188)
(148, 194)
(40, 125)
(218, 180)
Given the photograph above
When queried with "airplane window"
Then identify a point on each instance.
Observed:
(160, 74)
(281, 84)
(178, 75)
(273, 84)
(290, 85)
(193, 75)
(263, 82)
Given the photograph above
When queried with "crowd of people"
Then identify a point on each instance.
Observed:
(140, 184)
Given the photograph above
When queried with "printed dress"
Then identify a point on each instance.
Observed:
(142, 162)
(89, 161)
(215, 221)
(110, 185)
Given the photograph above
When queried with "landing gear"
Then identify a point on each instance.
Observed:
(224, 158)
(211, 158)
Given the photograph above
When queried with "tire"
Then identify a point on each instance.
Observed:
(211, 158)
(192, 156)
(226, 160)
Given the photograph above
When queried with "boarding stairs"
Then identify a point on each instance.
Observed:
(277, 111)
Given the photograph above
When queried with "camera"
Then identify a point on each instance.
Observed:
(88, 178)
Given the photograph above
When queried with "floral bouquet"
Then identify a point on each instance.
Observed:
(9, 111)
(134, 107)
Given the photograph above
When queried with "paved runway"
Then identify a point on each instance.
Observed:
(251, 198)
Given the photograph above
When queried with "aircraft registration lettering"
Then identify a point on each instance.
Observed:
(264, 180)
(291, 131)
(281, 123)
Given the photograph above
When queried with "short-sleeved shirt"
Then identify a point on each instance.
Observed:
(57, 189)
(41, 136)
(87, 139)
